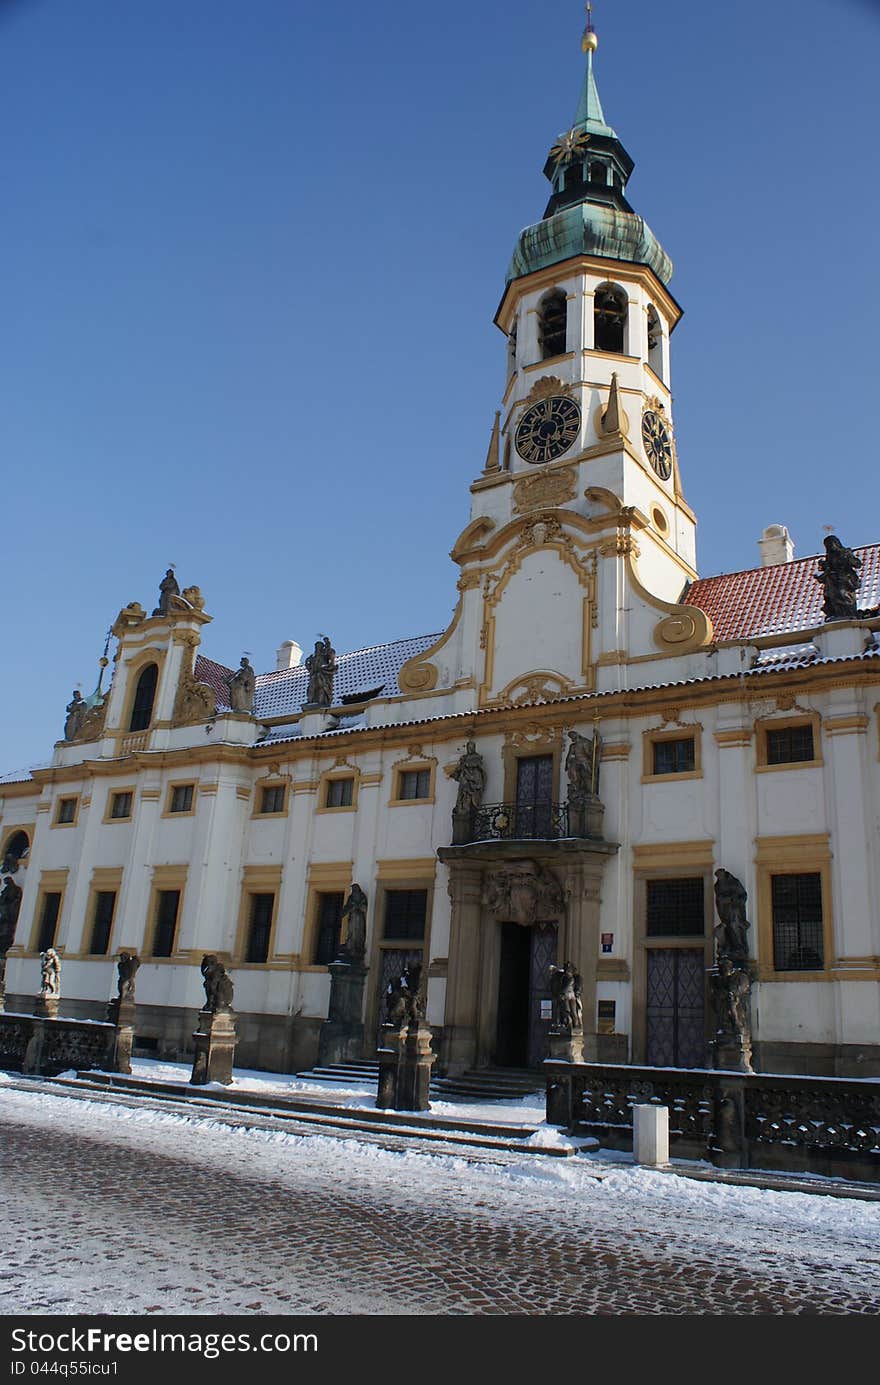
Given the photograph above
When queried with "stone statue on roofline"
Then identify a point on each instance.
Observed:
(76, 711)
(840, 577)
(321, 666)
(242, 686)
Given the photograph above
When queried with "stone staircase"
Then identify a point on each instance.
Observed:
(476, 1086)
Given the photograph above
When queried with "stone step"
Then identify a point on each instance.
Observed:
(323, 1117)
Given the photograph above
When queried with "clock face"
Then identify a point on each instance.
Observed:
(655, 436)
(547, 429)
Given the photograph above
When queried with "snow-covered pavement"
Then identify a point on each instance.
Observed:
(115, 1209)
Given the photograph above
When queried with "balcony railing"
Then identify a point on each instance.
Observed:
(517, 821)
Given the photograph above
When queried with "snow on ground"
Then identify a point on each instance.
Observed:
(527, 1110)
(614, 1192)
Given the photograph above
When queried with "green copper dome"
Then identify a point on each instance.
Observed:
(588, 213)
(588, 228)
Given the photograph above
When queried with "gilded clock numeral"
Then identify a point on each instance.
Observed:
(658, 447)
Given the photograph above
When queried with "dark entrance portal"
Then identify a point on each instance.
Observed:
(523, 984)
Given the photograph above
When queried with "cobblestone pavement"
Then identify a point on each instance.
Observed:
(117, 1212)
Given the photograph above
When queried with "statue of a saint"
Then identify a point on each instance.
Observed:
(126, 967)
(10, 903)
(321, 666)
(404, 1002)
(732, 934)
(471, 778)
(76, 710)
(218, 985)
(169, 595)
(355, 910)
(567, 988)
(731, 992)
(840, 577)
(241, 688)
(50, 974)
(582, 768)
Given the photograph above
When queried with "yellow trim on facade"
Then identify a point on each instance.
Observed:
(804, 854)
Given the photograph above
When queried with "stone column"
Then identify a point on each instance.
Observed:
(463, 984)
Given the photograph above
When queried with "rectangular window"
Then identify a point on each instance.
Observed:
(405, 913)
(66, 810)
(49, 920)
(181, 798)
(675, 908)
(259, 927)
(167, 906)
(790, 745)
(415, 783)
(674, 757)
(340, 793)
(272, 799)
(797, 922)
(120, 805)
(102, 922)
(329, 927)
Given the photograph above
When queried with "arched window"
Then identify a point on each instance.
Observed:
(655, 341)
(598, 173)
(552, 323)
(15, 852)
(609, 319)
(144, 696)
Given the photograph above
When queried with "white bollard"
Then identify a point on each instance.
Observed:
(651, 1135)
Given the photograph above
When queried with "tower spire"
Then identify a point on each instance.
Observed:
(589, 114)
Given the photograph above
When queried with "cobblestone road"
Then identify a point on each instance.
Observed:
(115, 1213)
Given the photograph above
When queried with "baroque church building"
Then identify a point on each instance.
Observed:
(555, 777)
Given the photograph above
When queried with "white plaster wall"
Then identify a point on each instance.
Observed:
(539, 621)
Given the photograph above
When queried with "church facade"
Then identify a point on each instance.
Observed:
(556, 777)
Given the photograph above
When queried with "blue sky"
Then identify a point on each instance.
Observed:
(251, 256)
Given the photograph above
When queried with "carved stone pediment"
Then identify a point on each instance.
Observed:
(544, 489)
(524, 892)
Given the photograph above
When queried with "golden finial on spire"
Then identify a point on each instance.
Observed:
(590, 39)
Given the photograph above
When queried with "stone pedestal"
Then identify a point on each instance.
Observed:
(342, 1034)
(215, 1041)
(731, 1053)
(587, 820)
(120, 1013)
(567, 1047)
(405, 1062)
(461, 827)
(46, 1007)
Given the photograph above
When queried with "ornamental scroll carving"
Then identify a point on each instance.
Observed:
(195, 702)
(544, 490)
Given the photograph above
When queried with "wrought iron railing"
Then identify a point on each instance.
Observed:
(500, 821)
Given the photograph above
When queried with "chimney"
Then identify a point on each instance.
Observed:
(288, 655)
(776, 545)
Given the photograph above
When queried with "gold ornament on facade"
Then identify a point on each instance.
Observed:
(548, 387)
(131, 615)
(571, 146)
(550, 488)
(545, 528)
(195, 702)
(468, 580)
(92, 727)
(418, 678)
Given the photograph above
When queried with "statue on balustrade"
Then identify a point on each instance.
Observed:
(404, 1000)
(732, 933)
(840, 577)
(126, 967)
(77, 710)
(355, 910)
(471, 777)
(321, 665)
(10, 903)
(731, 995)
(218, 985)
(242, 686)
(582, 769)
(50, 974)
(566, 988)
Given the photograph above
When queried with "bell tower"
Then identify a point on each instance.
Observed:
(588, 316)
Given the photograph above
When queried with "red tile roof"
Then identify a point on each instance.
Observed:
(776, 600)
(216, 676)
